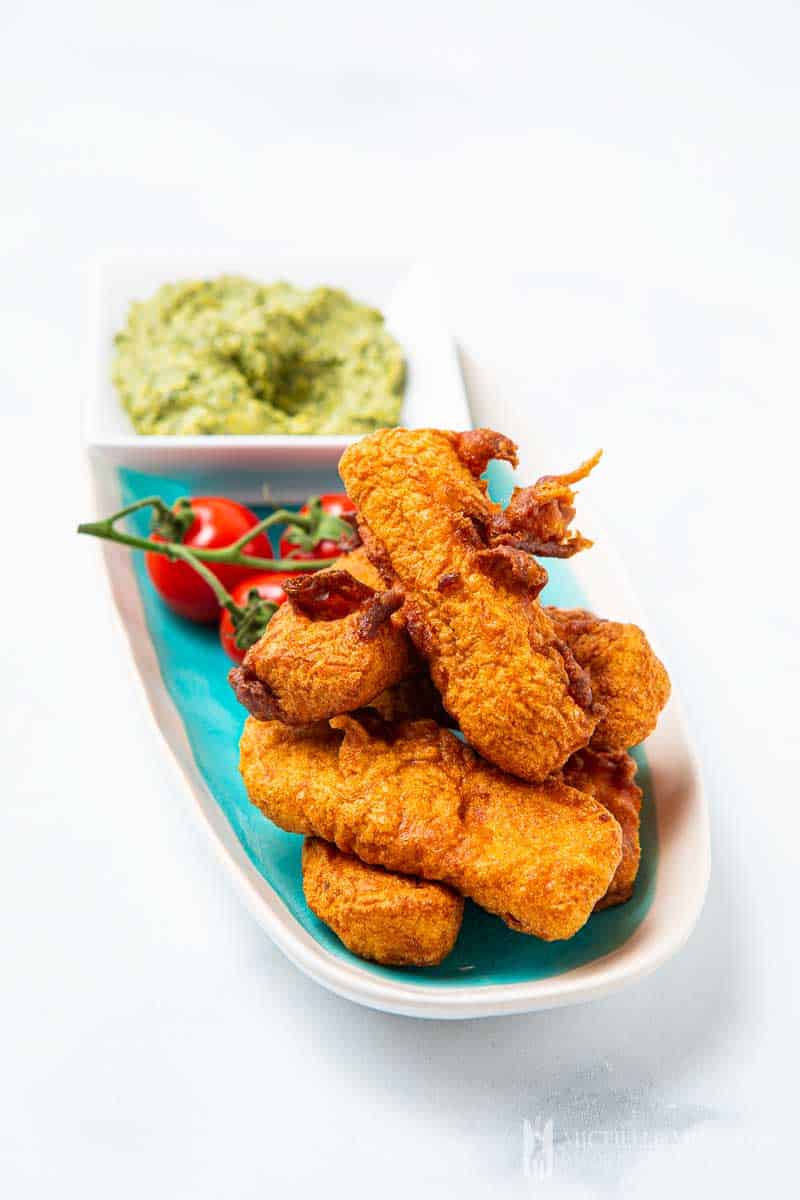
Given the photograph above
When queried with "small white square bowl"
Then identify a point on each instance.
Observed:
(407, 293)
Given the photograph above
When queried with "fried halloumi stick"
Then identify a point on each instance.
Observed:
(628, 680)
(609, 778)
(414, 799)
(380, 915)
(470, 582)
(336, 644)
(401, 921)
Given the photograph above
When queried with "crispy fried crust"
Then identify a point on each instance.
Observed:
(412, 798)
(609, 778)
(379, 915)
(537, 518)
(397, 920)
(308, 667)
(495, 657)
(357, 563)
(328, 595)
(477, 447)
(627, 678)
(411, 699)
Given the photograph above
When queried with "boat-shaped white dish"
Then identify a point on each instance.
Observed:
(492, 970)
(182, 669)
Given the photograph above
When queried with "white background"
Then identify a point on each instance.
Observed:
(611, 193)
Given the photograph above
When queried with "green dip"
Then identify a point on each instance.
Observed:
(229, 355)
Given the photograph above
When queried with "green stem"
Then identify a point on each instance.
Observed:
(223, 596)
(281, 516)
(226, 554)
(249, 621)
(162, 510)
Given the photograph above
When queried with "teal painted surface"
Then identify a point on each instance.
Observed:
(194, 669)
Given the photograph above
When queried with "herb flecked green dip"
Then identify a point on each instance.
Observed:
(229, 355)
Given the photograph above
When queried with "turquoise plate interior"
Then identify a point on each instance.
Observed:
(194, 669)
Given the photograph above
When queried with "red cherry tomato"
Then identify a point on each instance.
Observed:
(332, 505)
(269, 586)
(217, 523)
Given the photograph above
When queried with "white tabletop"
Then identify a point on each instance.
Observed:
(611, 197)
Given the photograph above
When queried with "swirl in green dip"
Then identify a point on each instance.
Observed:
(229, 355)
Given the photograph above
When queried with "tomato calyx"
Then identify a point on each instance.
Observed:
(250, 621)
(249, 609)
(172, 524)
(318, 526)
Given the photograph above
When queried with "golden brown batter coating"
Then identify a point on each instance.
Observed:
(412, 798)
(379, 915)
(411, 699)
(609, 778)
(627, 678)
(397, 920)
(337, 643)
(470, 582)
(357, 564)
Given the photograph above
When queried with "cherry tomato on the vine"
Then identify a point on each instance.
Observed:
(217, 523)
(296, 543)
(269, 587)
